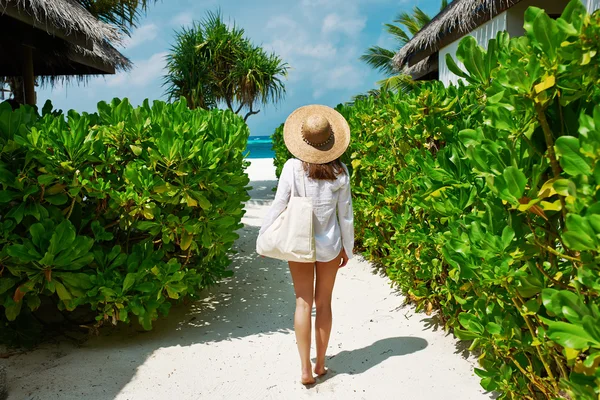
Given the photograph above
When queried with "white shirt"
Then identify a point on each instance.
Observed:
(331, 233)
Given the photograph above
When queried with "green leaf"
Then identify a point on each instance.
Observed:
(62, 292)
(454, 68)
(137, 150)
(493, 328)
(23, 254)
(7, 283)
(473, 57)
(186, 240)
(202, 201)
(569, 335)
(470, 322)
(12, 309)
(58, 199)
(38, 233)
(471, 137)
(542, 31)
(465, 335)
(62, 238)
(574, 13)
(129, 281)
(7, 196)
(580, 234)
(508, 234)
(100, 234)
(75, 280)
(515, 180)
(564, 187)
(145, 287)
(572, 161)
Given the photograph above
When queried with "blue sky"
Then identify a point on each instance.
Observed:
(321, 40)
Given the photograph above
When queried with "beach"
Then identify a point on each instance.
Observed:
(238, 342)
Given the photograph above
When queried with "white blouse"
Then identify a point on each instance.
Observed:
(331, 233)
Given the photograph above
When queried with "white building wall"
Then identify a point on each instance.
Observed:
(482, 34)
(592, 5)
(511, 21)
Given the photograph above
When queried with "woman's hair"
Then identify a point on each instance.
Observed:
(328, 171)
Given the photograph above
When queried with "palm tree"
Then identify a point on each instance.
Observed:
(124, 14)
(212, 64)
(404, 27)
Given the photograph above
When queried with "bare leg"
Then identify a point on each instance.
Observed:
(326, 272)
(303, 275)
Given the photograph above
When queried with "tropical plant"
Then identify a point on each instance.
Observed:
(124, 14)
(402, 29)
(123, 211)
(213, 64)
(482, 202)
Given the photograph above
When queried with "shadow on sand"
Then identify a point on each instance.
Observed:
(258, 299)
(357, 361)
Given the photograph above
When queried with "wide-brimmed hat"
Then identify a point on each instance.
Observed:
(316, 134)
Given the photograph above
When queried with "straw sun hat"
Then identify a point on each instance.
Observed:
(316, 134)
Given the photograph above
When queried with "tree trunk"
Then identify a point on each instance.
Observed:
(28, 76)
(16, 87)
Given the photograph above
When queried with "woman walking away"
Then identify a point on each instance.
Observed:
(317, 136)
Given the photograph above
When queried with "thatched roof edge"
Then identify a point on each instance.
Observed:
(94, 39)
(423, 67)
(67, 15)
(460, 15)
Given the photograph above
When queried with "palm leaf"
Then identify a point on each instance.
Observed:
(398, 33)
(421, 18)
(380, 59)
(213, 64)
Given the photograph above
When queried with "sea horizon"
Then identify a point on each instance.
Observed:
(259, 146)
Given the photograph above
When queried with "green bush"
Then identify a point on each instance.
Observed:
(122, 210)
(483, 202)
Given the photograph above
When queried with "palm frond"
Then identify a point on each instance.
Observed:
(124, 14)
(421, 18)
(409, 21)
(380, 59)
(397, 33)
(401, 83)
(213, 64)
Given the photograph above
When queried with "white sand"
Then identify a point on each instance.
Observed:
(238, 342)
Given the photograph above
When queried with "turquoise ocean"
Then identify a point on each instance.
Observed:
(259, 147)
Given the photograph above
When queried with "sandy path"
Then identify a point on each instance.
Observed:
(238, 342)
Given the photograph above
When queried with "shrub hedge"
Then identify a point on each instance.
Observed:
(121, 210)
(482, 202)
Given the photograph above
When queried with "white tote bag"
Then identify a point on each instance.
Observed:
(291, 236)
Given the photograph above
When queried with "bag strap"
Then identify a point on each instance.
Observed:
(293, 181)
(303, 182)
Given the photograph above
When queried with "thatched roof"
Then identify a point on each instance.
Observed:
(459, 18)
(66, 15)
(66, 38)
(425, 66)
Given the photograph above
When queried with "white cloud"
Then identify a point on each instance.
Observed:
(143, 72)
(144, 33)
(182, 19)
(341, 77)
(281, 21)
(351, 26)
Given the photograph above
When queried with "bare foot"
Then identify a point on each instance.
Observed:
(307, 378)
(320, 370)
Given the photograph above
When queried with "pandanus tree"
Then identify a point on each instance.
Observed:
(213, 64)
